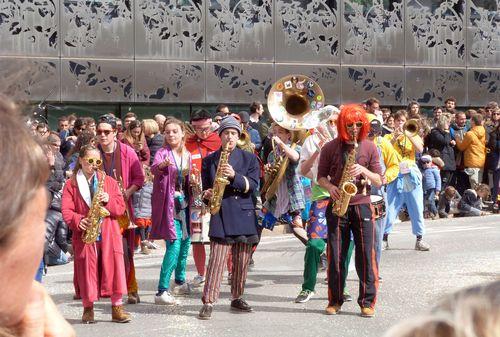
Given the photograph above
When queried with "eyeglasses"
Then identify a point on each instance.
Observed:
(203, 130)
(103, 132)
(95, 161)
(359, 125)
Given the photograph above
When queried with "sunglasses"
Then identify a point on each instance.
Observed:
(359, 125)
(203, 130)
(103, 132)
(95, 161)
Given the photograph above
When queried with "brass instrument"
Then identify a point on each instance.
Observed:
(412, 127)
(124, 220)
(244, 142)
(347, 187)
(220, 182)
(295, 103)
(96, 214)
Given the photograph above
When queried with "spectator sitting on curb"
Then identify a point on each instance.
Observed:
(472, 200)
(448, 202)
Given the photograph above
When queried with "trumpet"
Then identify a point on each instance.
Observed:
(412, 127)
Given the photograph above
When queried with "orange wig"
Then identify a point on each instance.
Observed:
(349, 114)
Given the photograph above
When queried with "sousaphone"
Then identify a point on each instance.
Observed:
(296, 103)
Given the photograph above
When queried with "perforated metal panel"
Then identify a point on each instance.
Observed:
(435, 33)
(29, 27)
(97, 28)
(384, 83)
(97, 80)
(372, 32)
(27, 78)
(483, 86)
(168, 29)
(240, 30)
(238, 82)
(169, 81)
(433, 86)
(307, 31)
(483, 33)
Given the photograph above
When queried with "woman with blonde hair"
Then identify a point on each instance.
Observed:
(134, 136)
(170, 212)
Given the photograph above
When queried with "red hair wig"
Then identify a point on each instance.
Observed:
(349, 114)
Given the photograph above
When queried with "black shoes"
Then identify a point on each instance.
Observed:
(240, 305)
(206, 312)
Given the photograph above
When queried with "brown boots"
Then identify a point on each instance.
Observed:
(119, 315)
(133, 298)
(88, 316)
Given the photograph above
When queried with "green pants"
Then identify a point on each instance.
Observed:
(175, 259)
(314, 248)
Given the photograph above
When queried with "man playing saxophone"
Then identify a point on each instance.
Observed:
(234, 226)
(351, 146)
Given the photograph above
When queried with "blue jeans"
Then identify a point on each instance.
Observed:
(39, 272)
(414, 201)
(430, 197)
(61, 259)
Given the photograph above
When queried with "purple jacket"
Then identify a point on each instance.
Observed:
(162, 202)
(132, 173)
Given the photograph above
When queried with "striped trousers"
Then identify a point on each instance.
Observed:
(241, 253)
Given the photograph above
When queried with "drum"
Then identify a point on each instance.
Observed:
(200, 225)
(378, 204)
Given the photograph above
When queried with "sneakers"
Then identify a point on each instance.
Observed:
(240, 305)
(422, 245)
(347, 297)
(182, 289)
(165, 298)
(206, 311)
(88, 316)
(332, 309)
(119, 315)
(133, 298)
(385, 245)
(152, 245)
(304, 296)
(367, 312)
(198, 280)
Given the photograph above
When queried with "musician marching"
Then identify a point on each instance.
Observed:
(233, 226)
(351, 155)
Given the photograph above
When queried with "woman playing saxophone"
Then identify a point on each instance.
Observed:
(351, 149)
(99, 266)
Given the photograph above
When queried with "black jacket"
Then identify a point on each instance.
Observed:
(154, 145)
(56, 234)
(469, 199)
(56, 179)
(440, 140)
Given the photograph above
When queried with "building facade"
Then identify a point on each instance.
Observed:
(212, 51)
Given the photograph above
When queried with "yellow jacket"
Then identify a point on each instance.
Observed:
(390, 157)
(474, 147)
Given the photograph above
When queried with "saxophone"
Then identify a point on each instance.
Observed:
(96, 214)
(347, 187)
(220, 182)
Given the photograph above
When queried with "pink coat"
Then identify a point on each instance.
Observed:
(112, 275)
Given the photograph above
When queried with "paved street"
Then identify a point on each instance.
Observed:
(464, 251)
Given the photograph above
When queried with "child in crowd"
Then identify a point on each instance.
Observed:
(448, 202)
(141, 201)
(436, 158)
(472, 200)
(431, 184)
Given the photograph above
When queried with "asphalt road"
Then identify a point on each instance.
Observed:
(464, 251)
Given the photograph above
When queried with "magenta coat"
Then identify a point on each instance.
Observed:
(162, 203)
(112, 279)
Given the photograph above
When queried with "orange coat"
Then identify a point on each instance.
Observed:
(474, 147)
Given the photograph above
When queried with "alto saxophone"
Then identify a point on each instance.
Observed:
(96, 214)
(220, 182)
(347, 187)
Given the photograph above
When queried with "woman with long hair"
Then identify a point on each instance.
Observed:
(99, 266)
(154, 138)
(134, 136)
(170, 212)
